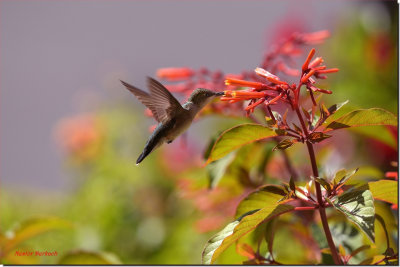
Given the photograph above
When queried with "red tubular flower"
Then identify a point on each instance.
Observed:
(174, 74)
(316, 62)
(392, 175)
(315, 37)
(269, 76)
(308, 59)
(305, 78)
(289, 71)
(275, 99)
(242, 83)
(327, 71)
(243, 95)
(314, 68)
(252, 106)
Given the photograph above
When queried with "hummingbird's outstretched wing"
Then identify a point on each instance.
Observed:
(160, 101)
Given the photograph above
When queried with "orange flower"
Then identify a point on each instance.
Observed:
(80, 136)
(269, 76)
(315, 37)
(174, 74)
(308, 59)
(243, 83)
(243, 95)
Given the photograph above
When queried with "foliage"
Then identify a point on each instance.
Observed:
(266, 203)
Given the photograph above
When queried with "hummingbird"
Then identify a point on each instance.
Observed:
(172, 117)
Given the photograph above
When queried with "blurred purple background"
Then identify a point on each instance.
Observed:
(58, 57)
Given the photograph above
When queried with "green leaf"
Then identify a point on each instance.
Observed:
(385, 190)
(217, 169)
(81, 257)
(332, 109)
(383, 224)
(380, 133)
(235, 230)
(372, 261)
(317, 137)
(265, 196)
(270, 234)
(238, 136)
(360, 249)
(34, 227)
(358, 206)
(324, 183)
(284, 144)
(363, 117)
(343, 175)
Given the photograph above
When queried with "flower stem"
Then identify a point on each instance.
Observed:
(321, 208)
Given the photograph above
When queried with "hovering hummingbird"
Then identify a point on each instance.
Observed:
(173, 117)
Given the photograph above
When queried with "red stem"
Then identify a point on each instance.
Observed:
(306, 208)
(321, 207)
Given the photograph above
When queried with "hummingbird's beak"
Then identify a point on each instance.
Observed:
(219, 93)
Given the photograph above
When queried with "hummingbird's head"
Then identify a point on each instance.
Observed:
(202, 97)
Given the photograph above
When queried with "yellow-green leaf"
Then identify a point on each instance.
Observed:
(217, 169)
(81, 257)
(33, 227)
(343, 175)
(238, 136)
(240, 227)
(385, 190)
(363, 117)
(266, 196)
(358, 206)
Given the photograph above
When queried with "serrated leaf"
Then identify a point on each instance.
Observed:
(240, 227)
(385, 190)
(266, 196)
(358, 206)
(81, 257)
(363, 117)
(238, 136)
(34, 227)
(317, 137)
(343, 175)
(217, 169)
(284, 144)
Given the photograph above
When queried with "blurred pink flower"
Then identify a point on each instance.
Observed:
(79, 136)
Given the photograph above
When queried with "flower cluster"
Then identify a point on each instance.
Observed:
(274, 89)
(280, 59)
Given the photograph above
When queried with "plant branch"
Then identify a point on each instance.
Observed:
(321, 208)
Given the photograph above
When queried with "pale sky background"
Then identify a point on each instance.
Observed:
(53, 52)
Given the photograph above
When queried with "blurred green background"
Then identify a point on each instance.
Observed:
(111, 211)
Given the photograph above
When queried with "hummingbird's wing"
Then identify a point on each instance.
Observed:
(161, 103)
(165, 103)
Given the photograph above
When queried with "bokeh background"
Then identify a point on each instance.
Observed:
(70, 133)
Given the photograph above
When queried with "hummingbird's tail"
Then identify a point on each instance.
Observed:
(142, 156)
(150, 146)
